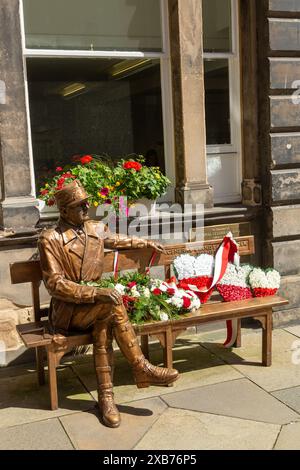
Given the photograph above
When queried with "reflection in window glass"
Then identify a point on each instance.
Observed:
(131, 25)
(94, 106)
(217, 29)
(217, 103)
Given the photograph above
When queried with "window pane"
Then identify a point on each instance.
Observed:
(223, 175)
(131, 25)
(217, 103)
(217, 29)
(94, 106)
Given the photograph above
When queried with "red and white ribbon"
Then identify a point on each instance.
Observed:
(153, 256)
(227, 252)
(232, 331)
(116, 264)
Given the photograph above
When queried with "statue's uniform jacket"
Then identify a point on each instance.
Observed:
(67, 258)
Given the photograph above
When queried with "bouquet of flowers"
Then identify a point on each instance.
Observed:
(234, 285)
(264, 283)
(195, 273)
(149, 299)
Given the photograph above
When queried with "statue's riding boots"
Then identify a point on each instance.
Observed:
(103, 359)
(145, 374)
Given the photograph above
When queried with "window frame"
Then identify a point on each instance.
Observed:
(235, 147)
(166, 88)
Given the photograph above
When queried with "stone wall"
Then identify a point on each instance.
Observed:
(279, 116)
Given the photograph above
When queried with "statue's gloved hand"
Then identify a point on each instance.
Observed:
(106, 295)
(158, 247)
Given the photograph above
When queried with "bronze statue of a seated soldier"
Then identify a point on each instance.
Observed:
(74, 252)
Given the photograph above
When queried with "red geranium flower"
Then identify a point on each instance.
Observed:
(156, 291)
(86, 159)
(59, 168)
(51, 202)
(44, 192)
(186, 302)
(132, 165)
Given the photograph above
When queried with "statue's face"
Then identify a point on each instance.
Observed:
(76, 215)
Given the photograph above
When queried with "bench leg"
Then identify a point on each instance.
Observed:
(145, 345)
(267, 340)
(238, 341)
(39, 352)
(168, 350)
(52, 379)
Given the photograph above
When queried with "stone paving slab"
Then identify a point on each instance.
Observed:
(42, 435)
(23, 401)
(290, 396)
(87, 433)
(294, 330)
(237, 398)
(289, 437)
(182, 429)
(247, 360)
(196, 364)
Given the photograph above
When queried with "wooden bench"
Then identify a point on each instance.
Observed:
(37, 334)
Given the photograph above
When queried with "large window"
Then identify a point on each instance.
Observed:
(222, 98)
(130, 25)
(96, 106)
(98, 81)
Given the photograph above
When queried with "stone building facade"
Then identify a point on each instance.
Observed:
(261, 79)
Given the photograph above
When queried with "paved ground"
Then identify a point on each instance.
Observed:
(224, 399)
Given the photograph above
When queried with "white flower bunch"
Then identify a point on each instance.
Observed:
(188, 266)
(184, 266)
(269, 279)
(120, 288)
(145, 291)
(204, 265)
(178, 300)
(164, 316)
(134, 292)
(236, 276)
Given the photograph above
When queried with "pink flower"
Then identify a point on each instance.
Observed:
(104, 191)
(59, 168)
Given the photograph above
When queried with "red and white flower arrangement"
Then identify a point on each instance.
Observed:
(264, 282)
(195, 273)
(234, 285)
(185, 300)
